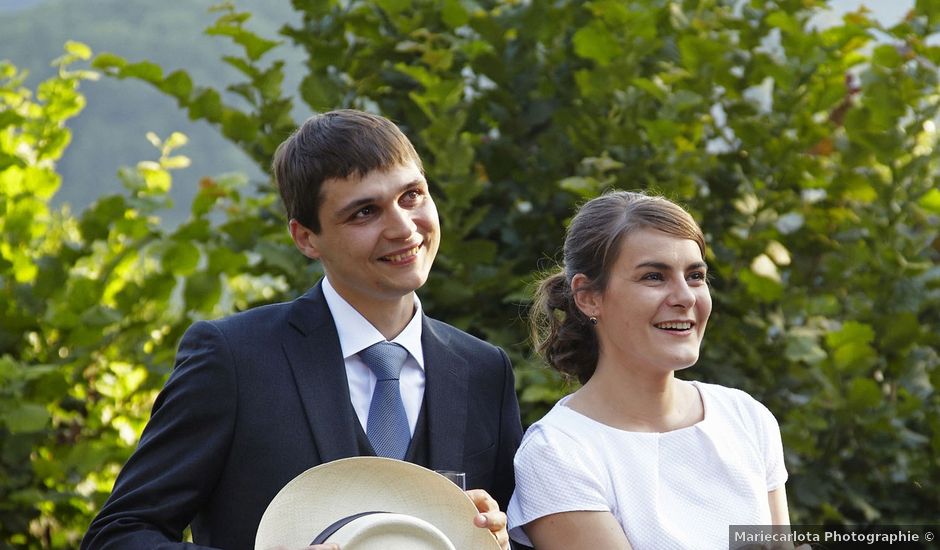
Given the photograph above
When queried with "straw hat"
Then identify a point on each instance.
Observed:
(418, 509)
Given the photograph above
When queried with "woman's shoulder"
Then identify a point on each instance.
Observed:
(727, 401)
(561, 427)
(726, 394)
(558, 421)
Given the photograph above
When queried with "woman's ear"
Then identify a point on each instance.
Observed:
(304, 239)
(587, 299)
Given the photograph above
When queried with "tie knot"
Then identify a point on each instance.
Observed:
(384, 359)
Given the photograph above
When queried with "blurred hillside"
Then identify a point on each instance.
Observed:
(111, 131)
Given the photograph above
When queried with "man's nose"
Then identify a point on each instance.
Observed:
(400, 223)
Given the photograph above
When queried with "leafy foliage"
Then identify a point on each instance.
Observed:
(93, 306)
(809, 154)
(110, 131)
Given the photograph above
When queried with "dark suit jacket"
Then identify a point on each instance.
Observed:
(261, 396)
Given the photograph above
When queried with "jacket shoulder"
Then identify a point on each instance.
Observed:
(458, 340)
(302, 312)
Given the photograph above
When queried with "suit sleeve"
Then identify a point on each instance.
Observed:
(176, 465)
(510, 434)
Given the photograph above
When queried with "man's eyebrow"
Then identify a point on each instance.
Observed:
(351, 207)
(356, 204)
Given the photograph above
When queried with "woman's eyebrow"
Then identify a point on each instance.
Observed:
(666, 267)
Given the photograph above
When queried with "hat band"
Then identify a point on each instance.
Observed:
(339, 524)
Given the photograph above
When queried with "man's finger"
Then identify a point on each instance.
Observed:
(482, 500)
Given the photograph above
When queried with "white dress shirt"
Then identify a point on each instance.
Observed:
(356, 333)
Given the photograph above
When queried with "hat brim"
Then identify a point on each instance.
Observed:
(383, 531)
(318, 497)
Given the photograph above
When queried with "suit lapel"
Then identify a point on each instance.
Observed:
(446, 376)
(316, 360)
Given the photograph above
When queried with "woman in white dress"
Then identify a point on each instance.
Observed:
(637, 458)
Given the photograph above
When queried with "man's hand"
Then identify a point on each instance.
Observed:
(490, 516)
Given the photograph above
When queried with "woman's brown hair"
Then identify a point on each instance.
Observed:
(562, 333)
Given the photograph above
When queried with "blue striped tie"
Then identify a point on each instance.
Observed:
(387, 426)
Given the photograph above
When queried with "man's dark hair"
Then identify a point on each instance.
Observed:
(338, 144)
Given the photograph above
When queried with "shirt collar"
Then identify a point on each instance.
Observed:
(356, 333)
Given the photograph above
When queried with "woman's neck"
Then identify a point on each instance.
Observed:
(639, 402)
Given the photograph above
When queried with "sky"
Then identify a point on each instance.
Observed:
(887, 12)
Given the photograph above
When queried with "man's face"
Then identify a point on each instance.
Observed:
(379, 234)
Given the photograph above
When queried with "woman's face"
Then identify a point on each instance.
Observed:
(653, 313)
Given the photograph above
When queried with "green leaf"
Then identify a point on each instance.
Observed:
(270, 83)
(454, 14)
(698, 52)
(238, 126)
(887, 56)
(206, 105)
(255, 46)
(107, 60)
(477, 252)
(223, 260)
(583, 186)
(181, 258)
(175, 163)
(901, 330)
(232, 26)
(850, 345)
(764, 289)
(144, 70)
(43, 182)
(535, 394)
(156, 180)
(78, 49)
(25, 418)
(202, 292)
(651, 88)
(178, 84)
(661, 131)
(320, 92)
(859, 188)
(851, 333)
(393, 7)
(100, 316)
(786, 22)
(802, 346)
(930, 9)
(595, 42)
(931, 201)
(278, 257)
(863, 394)
(95, 222)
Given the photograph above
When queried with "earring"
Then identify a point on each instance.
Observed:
(593, 320)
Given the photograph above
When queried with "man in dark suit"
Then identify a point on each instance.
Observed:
(261, 396)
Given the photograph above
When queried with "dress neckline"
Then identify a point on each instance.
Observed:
(705, 416)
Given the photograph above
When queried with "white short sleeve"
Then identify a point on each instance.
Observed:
(553, 475)
(772, 446)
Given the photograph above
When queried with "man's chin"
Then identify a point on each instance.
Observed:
(405, 286)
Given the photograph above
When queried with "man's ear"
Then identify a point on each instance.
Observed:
(587, 299)
(304, 239)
